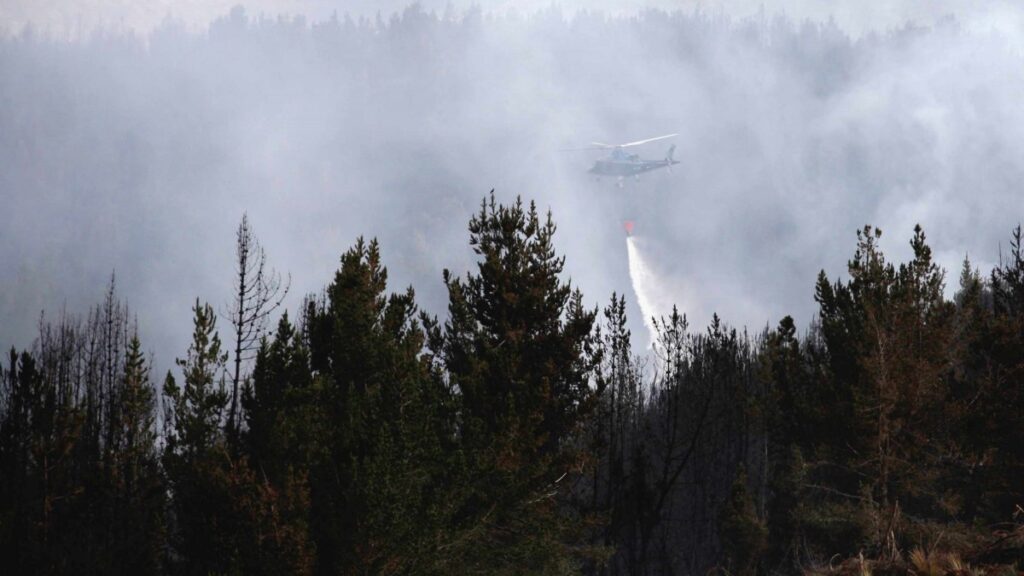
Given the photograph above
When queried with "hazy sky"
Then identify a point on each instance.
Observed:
(856, 16)
(139, 154)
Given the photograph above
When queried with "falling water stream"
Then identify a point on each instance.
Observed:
(645, 286)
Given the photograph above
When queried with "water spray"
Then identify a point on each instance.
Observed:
(645, 284)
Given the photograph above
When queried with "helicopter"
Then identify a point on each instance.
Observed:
(620, 164)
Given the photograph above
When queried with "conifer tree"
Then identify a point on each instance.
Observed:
(614, 426)
(21, 501)
(77, 448)
(743, 534)
(999, 358)
(195, 410)
(134, 476)
(794, 419)
(381, 486)
(226, 518)
(281, 406)
(518, 347)
(193, 416)
(888, 333)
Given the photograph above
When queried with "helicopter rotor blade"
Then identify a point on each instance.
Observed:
(604, 146)
(639, 142)
(585, 148)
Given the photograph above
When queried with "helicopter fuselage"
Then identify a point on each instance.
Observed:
(620, 163)
(629, 167)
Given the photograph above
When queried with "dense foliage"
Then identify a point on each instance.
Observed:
(522, 433)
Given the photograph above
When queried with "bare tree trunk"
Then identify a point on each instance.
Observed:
(260, 293)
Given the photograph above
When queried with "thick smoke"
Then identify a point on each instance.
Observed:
(76, 18)
(139, 152)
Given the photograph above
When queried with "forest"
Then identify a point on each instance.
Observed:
(185, 393)
(522, 432)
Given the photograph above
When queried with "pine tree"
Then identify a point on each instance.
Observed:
(281, 406)
(195, 412)
(382, 486)
(518, 347)
(743, 534)
(888, 333)
(998, 358)
(20, 501)
(194, 448)
(226, 518)
(134, 476)
(614, 427)
(77, 449)
(792, 413)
